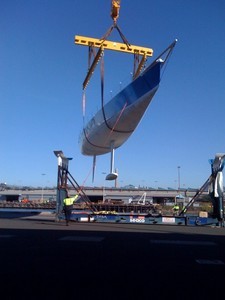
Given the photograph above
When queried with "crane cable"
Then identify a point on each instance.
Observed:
(109, 31)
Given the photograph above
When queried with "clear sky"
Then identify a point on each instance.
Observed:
(41, 75)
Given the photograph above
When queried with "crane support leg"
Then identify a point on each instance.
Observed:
(64, 177)
(215, 186)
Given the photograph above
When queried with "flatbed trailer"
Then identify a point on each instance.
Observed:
(137, 218)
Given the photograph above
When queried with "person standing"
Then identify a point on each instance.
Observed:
(68, 206)
(176, 209)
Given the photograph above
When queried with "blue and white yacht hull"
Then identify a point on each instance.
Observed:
(117, 120)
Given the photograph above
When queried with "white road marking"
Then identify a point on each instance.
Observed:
(5, 236)
(209, 262)
(187, 243)
(82, 238)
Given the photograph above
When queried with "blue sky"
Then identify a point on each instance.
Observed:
(41, 77)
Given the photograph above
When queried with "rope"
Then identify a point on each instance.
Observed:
(117, 122)
(102, 101)
(84, 181)
(83, 106)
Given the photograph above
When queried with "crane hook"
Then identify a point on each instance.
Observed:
(115, 10)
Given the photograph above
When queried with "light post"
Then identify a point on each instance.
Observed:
(178, 169)
(42, 190)
(103, 189)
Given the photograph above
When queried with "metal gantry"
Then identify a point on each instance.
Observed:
(63, 179)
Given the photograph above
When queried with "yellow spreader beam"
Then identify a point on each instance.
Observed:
(87, 41)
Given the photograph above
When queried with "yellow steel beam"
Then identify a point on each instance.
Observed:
(87, 41)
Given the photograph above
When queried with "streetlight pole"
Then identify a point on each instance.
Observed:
(178, 168)
(103, 189)
(42, 190)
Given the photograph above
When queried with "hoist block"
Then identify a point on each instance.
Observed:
(110, 45)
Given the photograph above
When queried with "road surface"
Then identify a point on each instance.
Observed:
(42, 259)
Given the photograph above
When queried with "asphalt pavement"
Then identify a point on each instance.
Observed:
(43, 259)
